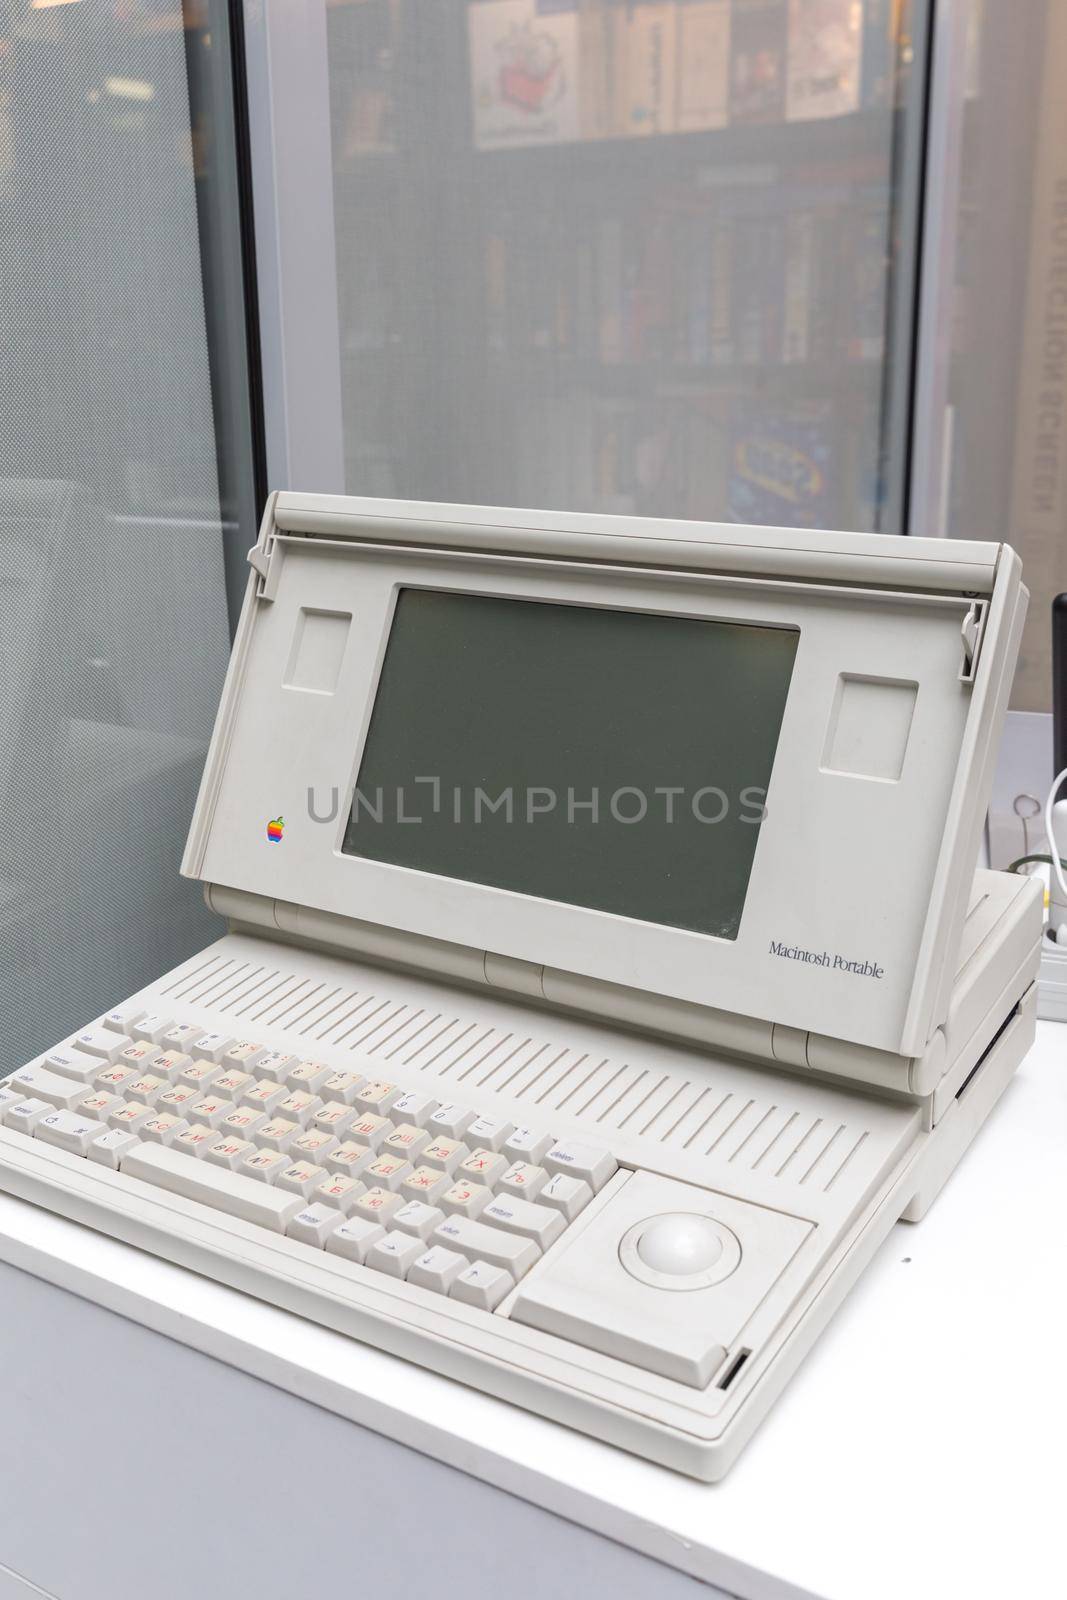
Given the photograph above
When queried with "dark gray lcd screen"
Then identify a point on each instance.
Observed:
(612, 759)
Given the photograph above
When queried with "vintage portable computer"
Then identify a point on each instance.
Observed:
(607, 971)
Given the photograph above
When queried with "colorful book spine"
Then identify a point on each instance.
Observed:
(703, 71)
(823, 71)
(644, 59)
(799, 287)
(758, 35)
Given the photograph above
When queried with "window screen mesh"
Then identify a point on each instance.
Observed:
(114, 636)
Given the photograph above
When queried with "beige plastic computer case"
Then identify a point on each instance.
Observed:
(807, 1104)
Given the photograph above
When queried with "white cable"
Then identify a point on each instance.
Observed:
(1050, 834)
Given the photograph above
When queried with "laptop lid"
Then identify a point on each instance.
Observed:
(744, 768)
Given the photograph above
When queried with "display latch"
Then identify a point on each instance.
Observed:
(972, 630)
(265, 560)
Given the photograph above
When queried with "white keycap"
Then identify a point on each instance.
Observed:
(151, 1027)
(452, 1121)
(334, 1117)
(68, 1130)
(103, 1042)
(44, 1085)
(354, 1238)
(265, 1165)
(163, 1127)
(301, 1178)
(110, 1148)
(196, 1141)
(444, 1153)
(232, 1083)
(113, 1080)
(277, 1134)
(369, 1129)
(123, 1019)
(177, 1099)
(139, 1055)
(387, 1172)
(348, 1159)
(511, 1251)
(395, 1254)
(213, 1186)
(230, 1152)
(245, 1053)
(413, 1108)
(182, 1037)
(482, 1166)
(131, 1116)
(210, 1109)
(100, 1105)
(406, 1140)
(314, 1224)
(581, 1161)
(314, 1144)
(243, 1123)
(568, 1195)
(146, 1089)
(490, 1133)
(299, 1106)
(377, 1205)
(426, 1183)
(542, 1224)
(171, 1064)
(264, 1095)
(77, 1065)
(528, 1144)
(9, 1099)
(340, 1193)
(483, 1285)
(309, 1075)
(25, 1114)
(437, 1269)
(343, 1086)
(275, 1064)
(466, 1199)
(415, 1218)
(213, 1046)
(377, 1096)
(522, 1180)
(201, 1074)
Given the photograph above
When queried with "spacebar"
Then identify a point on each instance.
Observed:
(212, 1186)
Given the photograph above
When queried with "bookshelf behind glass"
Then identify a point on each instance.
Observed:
(653, 258)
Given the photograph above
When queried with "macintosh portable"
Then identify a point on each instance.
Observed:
(607, 968)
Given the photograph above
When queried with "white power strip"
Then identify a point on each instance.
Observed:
(1052, 982)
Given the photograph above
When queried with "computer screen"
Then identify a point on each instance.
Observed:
(612, 759)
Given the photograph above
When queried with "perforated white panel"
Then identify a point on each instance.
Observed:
(736, 1122)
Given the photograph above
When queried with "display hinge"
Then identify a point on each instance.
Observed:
(265, 560)
(972, 631)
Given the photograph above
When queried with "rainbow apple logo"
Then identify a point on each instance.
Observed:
(275, 829)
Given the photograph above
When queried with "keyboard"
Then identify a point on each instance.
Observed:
(420, 1189)
(463, 1181)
